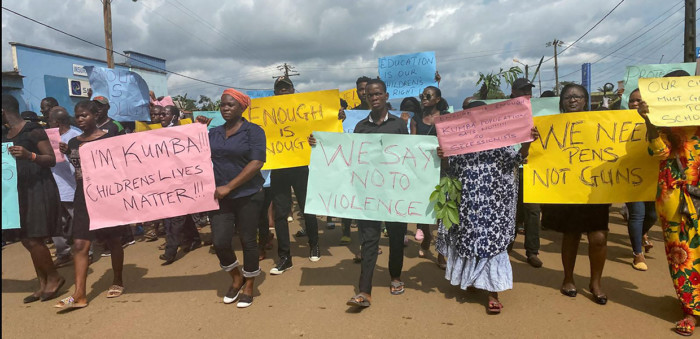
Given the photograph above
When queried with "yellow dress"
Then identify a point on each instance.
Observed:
(681, 238)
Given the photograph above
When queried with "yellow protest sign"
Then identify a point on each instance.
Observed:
(350, 96)
(141, 126)
(289, 119)
(672, 101)
(590, 158)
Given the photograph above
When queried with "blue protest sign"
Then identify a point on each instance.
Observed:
(215, 116)
(10, 202)
(126, 91)
(262, 93)
(408, 74)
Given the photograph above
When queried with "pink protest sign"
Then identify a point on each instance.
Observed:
(486, 127)
(153, 175)
(54, 139)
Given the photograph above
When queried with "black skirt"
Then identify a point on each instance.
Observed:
(575, 218)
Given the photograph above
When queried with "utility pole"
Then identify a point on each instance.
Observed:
(556, 43)
(107, 13)
(286, 69)
(689, 39)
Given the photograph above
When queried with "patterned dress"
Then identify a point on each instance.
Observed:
(680, 233)
(476, 249)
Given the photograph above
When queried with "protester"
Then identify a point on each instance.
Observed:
(476, 248)
(86, 113)
(281, 180)
(527, 215)
(64, 175)
(156, 111)
(574, 219)
(547, 94)
(423, 124)
(361, 85)
(676, 197)
(238, 153)
(180, 231)
(641, 214)
(104, 122)
(38, 197)
(378, 121)
(46, 105)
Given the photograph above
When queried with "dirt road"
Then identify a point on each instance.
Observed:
(184, 299)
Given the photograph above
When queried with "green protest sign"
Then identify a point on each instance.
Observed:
(540, 106)
(633, 74)
(10, 203)
(386, 177)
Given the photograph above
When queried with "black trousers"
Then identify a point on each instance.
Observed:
(281, 182)
(242, 213)
(529, 214)
(179, 230)
(263, 224)
(370, 232)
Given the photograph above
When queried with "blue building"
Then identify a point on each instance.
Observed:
(40, 72)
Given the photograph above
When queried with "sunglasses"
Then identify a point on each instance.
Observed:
(573, 97)
(425, 96)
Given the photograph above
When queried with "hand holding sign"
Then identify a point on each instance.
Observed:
(485, 127)
(672, 101)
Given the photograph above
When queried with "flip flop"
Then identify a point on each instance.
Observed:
(115, 291)
(358, 301)
(69, 303)
(684, 327)
(495, 307)
(397, 287)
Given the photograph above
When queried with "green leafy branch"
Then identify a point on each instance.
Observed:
(447, 197)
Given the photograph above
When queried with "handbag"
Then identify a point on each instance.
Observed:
(693, 192)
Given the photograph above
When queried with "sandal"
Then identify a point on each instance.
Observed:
(162, 246)
(495, 307)
(684, 327)
(648, 246)
(397, 287)
(115, 291)
(359, 301)
(69, 303)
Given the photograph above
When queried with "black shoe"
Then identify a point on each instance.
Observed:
(285, 263)
(534, 261)
(167, 260)
(300, 233)
(314, 254)
(192, 246)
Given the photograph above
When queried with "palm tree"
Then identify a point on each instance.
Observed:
(491, 83)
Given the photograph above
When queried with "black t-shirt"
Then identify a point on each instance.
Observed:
(391, 125)
(112, 127)
(74, 156)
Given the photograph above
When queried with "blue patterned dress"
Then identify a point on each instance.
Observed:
(476, 249)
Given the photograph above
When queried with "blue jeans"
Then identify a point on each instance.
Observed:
(642, 215)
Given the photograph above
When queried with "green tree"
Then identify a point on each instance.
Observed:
(206, 104)
(185, 103)
(491, 83)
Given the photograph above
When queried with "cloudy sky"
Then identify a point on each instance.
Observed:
(331, 43)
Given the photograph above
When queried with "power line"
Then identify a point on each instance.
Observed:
(629, 42)
(588, 31)
(124, 55)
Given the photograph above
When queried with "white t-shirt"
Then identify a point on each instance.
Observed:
(63, 172)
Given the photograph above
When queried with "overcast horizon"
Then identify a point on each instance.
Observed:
(241, 43)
